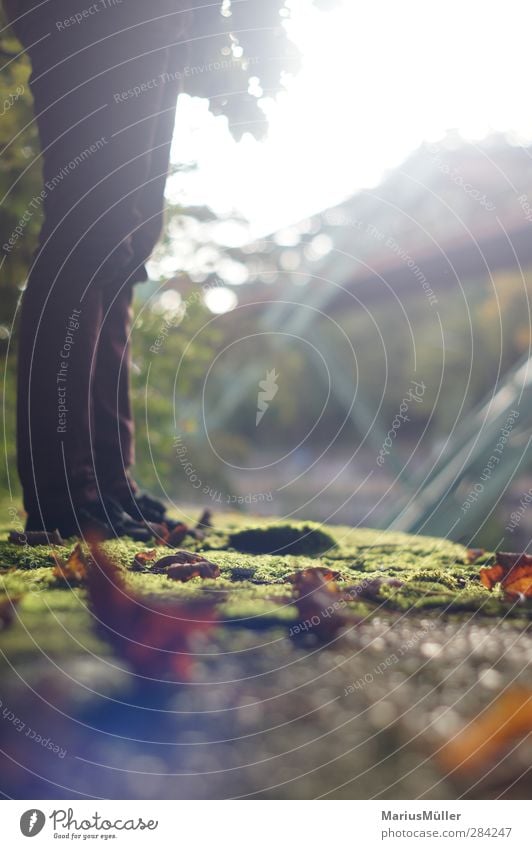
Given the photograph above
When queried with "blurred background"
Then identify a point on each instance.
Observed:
(337, 322)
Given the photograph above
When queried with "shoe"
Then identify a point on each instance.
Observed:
(105, 518)
(143, 507)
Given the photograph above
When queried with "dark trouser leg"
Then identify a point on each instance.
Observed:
(97, 141)
(56, 342)
(113, 423)
(150, 202)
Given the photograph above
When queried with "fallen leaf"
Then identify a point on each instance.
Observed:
(187, 571)
(182, 556)
(314, 574)
(160, 532)
(490, 576)
(154, 636)
(513, 572)
(7, 611)
(74, 569)
(485, 738)
(472, 554)
(319, 604)
(142, 558)
(183, 563)
(36, 538)
(177, 534)
(172, 533)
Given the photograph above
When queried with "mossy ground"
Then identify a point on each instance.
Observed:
(261, 715)
(436, 575)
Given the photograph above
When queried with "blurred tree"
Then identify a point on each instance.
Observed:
(168, 370)
(20, 176)
(240, 50)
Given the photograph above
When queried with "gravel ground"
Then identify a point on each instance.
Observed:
(263, 717)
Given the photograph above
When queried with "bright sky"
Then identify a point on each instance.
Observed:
(377, 79)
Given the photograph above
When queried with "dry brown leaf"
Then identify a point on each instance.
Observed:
(172, 533)
(142, 558)
(472, 554)
(177, 534)
(513, 572)
(485, 738)
(190, 561)
(319, 604)
(317, 575)
(74, 569)
(153, 636)
(187, 571)
(185, 565)
(180, 566)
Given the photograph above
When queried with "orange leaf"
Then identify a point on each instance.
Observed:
(142, 558)
(486, 736)
(171, 535)
(491, 575)
(317, 575)
(73, 570)
(513, 572)
(154, 636)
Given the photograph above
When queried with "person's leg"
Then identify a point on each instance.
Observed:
(113, 435)
(57, 336)
(113, 431)
(97, 97)
(113, 423)
(150, 202)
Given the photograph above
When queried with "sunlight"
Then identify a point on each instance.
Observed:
(220, 300)
(347, 118)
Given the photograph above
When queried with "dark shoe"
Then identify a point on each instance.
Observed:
(105, 518)
(143, 507)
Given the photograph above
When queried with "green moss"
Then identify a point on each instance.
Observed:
(435, 577)
(26, 557)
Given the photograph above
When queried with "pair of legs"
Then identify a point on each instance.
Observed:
(104, 84)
